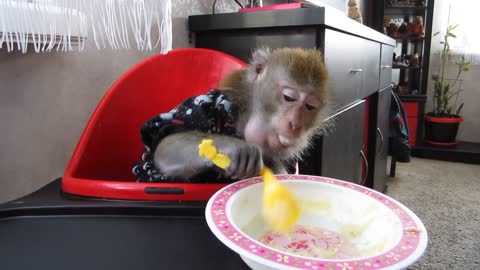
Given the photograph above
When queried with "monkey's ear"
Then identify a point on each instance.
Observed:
(258, 63)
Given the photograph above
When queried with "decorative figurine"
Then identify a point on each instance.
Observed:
(354, 12)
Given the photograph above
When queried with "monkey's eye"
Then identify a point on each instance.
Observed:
(310, 107)
(288, 98)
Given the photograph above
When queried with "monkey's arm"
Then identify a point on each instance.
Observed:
(177, 156)
(171, 141)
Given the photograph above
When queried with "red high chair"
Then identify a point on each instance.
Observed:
(101, 164)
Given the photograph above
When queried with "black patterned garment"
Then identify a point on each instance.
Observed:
(210, 113)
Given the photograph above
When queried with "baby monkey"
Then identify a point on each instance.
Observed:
(265, 114)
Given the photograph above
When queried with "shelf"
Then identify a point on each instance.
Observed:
(413, 80)
(411, 68)
(467, 152)
(402, 11)
(412, 98)
(410, 39)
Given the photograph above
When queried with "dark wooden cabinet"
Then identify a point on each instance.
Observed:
(379, 163)
(359, 63)
(353, 70)
(329, 156)
(342, 155)
(386, 66)
(240, 43)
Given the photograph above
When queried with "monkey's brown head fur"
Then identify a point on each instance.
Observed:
(287, 98)
(304, 66)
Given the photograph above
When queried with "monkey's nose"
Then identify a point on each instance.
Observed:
(295, 128)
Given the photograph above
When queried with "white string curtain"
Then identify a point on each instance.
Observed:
(464, 13)
(65, 25)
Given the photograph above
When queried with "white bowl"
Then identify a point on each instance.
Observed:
(358, 228)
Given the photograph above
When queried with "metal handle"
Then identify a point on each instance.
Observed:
(381, 141)
(366, 168)
(356, 70)
(385, 66)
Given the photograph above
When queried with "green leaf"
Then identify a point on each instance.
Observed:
(452, 27)
(451, 35)
(459, 109)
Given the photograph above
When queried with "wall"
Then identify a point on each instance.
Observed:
(46, 99)
(469, 129)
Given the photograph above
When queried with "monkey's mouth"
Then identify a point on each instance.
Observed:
(284, 141)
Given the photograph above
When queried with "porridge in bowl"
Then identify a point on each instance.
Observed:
(336, 223)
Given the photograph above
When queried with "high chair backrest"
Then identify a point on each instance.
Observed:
(110, 143)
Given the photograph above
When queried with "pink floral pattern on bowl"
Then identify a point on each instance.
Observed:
(309, 240)
(406, 247)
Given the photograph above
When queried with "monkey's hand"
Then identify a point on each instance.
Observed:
(245, 159)
(177, 156)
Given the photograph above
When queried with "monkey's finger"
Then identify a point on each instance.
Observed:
(242, 163)
(248, 155)
(253, 166)
(233, 168)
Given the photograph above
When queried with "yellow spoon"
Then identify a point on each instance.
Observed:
(281, 209)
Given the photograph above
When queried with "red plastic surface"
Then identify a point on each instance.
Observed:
(444, 120)
(442, 144)
(272, 7)
(411, 110)
(412, 129)
(101, 163)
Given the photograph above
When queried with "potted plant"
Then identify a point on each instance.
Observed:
(441, 124)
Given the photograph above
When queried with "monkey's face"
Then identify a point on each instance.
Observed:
(282, 116)
(288, 96)
(297, 107)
